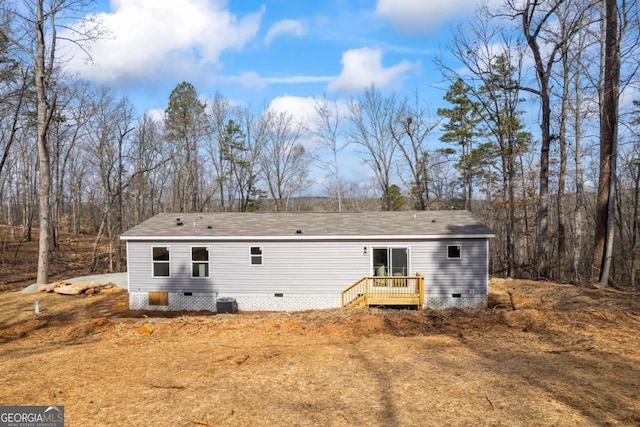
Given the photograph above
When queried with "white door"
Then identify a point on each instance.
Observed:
(390, 261)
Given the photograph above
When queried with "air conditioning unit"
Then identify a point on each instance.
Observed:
(226, 305)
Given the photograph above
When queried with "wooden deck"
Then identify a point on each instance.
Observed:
(385, 290)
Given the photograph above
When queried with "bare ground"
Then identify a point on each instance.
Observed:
(565, 355)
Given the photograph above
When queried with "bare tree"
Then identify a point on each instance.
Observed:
(12, 110)
(538, 19)
(442, 181)
(327, 132)
(218, 112)
(577, 236)
(33, 29)
(284, 161)
(66, 133)
(410, 130)
(246, 156)
(109, 127)
(25, 167)
(570, 29)
(372, 117)
(148, 153)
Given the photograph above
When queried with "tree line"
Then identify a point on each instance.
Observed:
(538, 137)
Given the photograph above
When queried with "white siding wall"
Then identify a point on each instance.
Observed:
(467, 275)
(307, 268)
(286, 267)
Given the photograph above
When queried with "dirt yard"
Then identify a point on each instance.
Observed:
(546, 355)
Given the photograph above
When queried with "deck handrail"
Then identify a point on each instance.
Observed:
(353, 292)
(371, 287)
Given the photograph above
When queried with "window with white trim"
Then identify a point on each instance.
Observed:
(200, 261)
(161, 261)
(454, 251)
(256, 255)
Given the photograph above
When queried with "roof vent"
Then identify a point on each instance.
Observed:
(209, 227)
(433, 220)
(178, 221)
(298, 231)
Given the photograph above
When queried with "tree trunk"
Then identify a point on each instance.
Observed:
(119, 205)
(577, 237)
(543, 207)
(635, 223)
(43, 149)
(528, 254)
(605, 208)
(96, 242)
(562, 178)
(511, 244)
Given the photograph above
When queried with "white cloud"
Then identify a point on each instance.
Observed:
(284, 27)
(251, 79)
(146, 37)
(422, 15)
(156, 114)
(363, 67)
(628, 95)
(289, 80)
(303, 109)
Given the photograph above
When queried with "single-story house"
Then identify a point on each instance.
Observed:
(299, 261)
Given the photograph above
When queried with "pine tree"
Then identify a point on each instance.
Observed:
(185, 126)
(462, 129)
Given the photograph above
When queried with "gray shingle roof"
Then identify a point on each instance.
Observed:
(310, 224)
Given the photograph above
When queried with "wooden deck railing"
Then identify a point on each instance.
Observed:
(385, 290)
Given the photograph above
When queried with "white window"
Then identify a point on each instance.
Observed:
(200, 261)
(161, 261)
(256, 255)
(454, 251)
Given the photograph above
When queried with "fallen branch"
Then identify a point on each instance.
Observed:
(617, 291)
(631, 315)
(411, 319)
(241, 361)
(489, 400)
(604, 317)
(224, 359)
(493, 310)
(435, 315)
(201, 422)
(569, 350)
(176, 387)
(513, 305)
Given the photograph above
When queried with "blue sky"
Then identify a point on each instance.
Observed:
(256, 51)
(276, 53)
